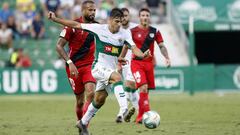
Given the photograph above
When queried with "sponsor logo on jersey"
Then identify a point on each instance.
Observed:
(111, 49)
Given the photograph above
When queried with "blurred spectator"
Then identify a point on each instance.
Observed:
(76, 11)
(6, 37)
(50, 5)
(26, 5)
(11, 23)
(37, 29)
(66, 7)
(13, 58)
(5, 12)
(153, 3)
(23, 60)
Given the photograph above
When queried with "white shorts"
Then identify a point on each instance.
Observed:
(127, 73)
(102, 76)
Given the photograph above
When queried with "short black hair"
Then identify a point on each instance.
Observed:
(144, 9)
(125, 9)
(116, 12)
(87, 2)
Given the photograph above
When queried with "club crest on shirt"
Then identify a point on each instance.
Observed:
(151, 35)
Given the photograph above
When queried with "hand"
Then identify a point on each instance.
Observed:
(122, 61)
(73, 70)
(168, 63)
(51, 15)
(147, 54)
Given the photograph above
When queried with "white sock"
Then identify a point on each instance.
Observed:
(134, 99)
(128, 95)
(121, 98)
(91, 111)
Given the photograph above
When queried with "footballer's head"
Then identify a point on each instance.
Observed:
(115, 19)
(126, 16)
(144, 16)
(89, 10)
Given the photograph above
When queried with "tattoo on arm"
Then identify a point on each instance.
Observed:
(60, 48)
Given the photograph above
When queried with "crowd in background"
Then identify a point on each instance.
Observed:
(26, 19)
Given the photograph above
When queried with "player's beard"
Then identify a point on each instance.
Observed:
(90, 18)
(125, 23)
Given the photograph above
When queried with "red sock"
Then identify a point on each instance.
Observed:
(79, 112)
(143, 105)
(85, 106)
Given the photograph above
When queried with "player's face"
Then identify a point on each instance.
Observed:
(144, 18)
(115, 23)
(126, 18)
(89, 11)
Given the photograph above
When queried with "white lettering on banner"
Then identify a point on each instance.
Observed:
(167, 82)
(30, 81)
(49, 81)
(10, 81)
(236, 77)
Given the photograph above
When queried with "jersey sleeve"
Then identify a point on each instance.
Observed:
(128, 39)
(94, 28)
(158, 37)
(66, 33)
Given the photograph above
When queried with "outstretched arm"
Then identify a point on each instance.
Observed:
(69, 23)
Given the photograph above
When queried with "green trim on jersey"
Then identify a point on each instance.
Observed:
(105, 48)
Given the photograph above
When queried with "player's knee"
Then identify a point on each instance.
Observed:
(100, 100)
(143, 88)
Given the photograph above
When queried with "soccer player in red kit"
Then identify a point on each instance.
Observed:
(80, 58)
(144, 37)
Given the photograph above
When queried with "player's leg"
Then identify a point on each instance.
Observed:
(99, 99)
(141, 82)
(78, 90)
(89, 86)
(116, 80)
(130, 87)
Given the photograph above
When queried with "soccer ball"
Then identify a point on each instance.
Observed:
(151, 119)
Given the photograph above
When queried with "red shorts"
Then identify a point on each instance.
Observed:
(143, 73)
(84, 76)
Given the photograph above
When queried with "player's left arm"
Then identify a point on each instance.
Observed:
(164, 52)
(163, 49)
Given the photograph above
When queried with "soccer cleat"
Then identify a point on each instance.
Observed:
(129, 114)
(82, 128)
(119, 119)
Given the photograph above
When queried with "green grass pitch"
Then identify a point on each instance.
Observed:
(202, 114)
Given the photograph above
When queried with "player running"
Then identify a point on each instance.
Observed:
(109, 42)
(80, 59)
(129, 82)
(144, 37)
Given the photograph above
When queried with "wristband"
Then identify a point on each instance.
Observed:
(69, 61)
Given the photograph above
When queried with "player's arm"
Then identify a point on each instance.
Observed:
(164, 52)
(60, 49)
(121, 58)
(69, 23)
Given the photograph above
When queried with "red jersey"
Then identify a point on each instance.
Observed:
(81, 45)
(144, 40)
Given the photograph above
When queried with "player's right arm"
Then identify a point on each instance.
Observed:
(69, 23)
(61, 51)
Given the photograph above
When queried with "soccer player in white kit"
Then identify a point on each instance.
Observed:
(129, 82)
(110, 40)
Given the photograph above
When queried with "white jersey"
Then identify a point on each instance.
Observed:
(108, 45)
(128, 56)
